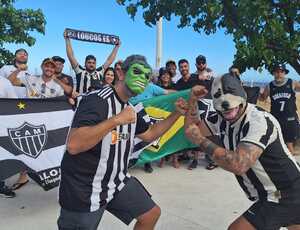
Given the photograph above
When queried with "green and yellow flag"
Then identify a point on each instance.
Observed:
(159, 108)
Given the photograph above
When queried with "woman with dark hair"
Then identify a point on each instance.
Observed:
(165, 79)
(109, 76)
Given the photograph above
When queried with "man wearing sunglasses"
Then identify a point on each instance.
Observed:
(203, 76)
(43, 86)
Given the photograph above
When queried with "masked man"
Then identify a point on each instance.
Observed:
(94, 174)
(253, 149)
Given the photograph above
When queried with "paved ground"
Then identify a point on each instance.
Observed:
(190, 200)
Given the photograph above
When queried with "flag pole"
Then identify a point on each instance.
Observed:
(158, 43)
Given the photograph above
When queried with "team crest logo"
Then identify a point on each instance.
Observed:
(29, 139)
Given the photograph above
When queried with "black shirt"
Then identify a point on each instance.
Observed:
(182, 84)
(283, 101)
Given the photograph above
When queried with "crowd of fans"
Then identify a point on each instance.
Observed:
(16, 81)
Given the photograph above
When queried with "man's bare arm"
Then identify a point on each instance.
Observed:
(237, 162)
(67, 88)
(111, 58)
(70, 53)
(84, 138)
(158, 129)
(13, 76)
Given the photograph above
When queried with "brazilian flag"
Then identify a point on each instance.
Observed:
(159, 108)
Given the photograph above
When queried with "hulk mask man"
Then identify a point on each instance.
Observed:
(137, 73)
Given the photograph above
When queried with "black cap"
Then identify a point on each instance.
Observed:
(170, 62)
(201, 59)
(280, 67)
(58, 58)
(21, 50)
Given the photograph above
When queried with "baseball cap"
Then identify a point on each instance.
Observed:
(170, 62)
(59, 59)
(201, 59)
(48, 61)
(280, 67)
(21, 50)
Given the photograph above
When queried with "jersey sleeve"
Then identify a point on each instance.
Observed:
(91, 111)
(78, 69)
(260, 130)
(143, 121)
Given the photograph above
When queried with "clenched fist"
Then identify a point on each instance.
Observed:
(198, 92)
(126, 116)
(181, 106)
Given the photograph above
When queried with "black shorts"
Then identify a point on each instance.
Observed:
(290, 130)
(131, 202)
(265, 215)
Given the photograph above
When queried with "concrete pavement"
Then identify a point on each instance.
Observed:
(190, 200)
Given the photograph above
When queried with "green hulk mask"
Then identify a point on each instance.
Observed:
(137, 77)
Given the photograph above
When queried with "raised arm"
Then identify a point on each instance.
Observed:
(70, 53)
(111, 58)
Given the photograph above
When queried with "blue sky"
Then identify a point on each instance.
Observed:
(107, 16)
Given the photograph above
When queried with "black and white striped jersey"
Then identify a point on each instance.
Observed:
(90, 179)
(86, 81)
(276, 169)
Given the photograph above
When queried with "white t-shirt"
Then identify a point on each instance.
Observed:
(7, 70)
(6, 89)
(36, 87)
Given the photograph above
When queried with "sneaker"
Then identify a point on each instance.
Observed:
(193, 165)
(6, 192)
(148, 168)
(211, 166)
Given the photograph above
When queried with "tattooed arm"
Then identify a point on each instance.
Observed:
(192, 115)
(237, 162)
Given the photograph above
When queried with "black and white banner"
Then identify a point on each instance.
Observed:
(32, 137)
(92, 36)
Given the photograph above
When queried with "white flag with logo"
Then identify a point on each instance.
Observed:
(33, 136)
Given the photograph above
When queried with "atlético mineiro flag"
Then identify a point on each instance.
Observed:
(33, 137)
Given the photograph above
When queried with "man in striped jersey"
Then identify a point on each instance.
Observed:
(94, 172)
(253, 149)
(90, 77)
